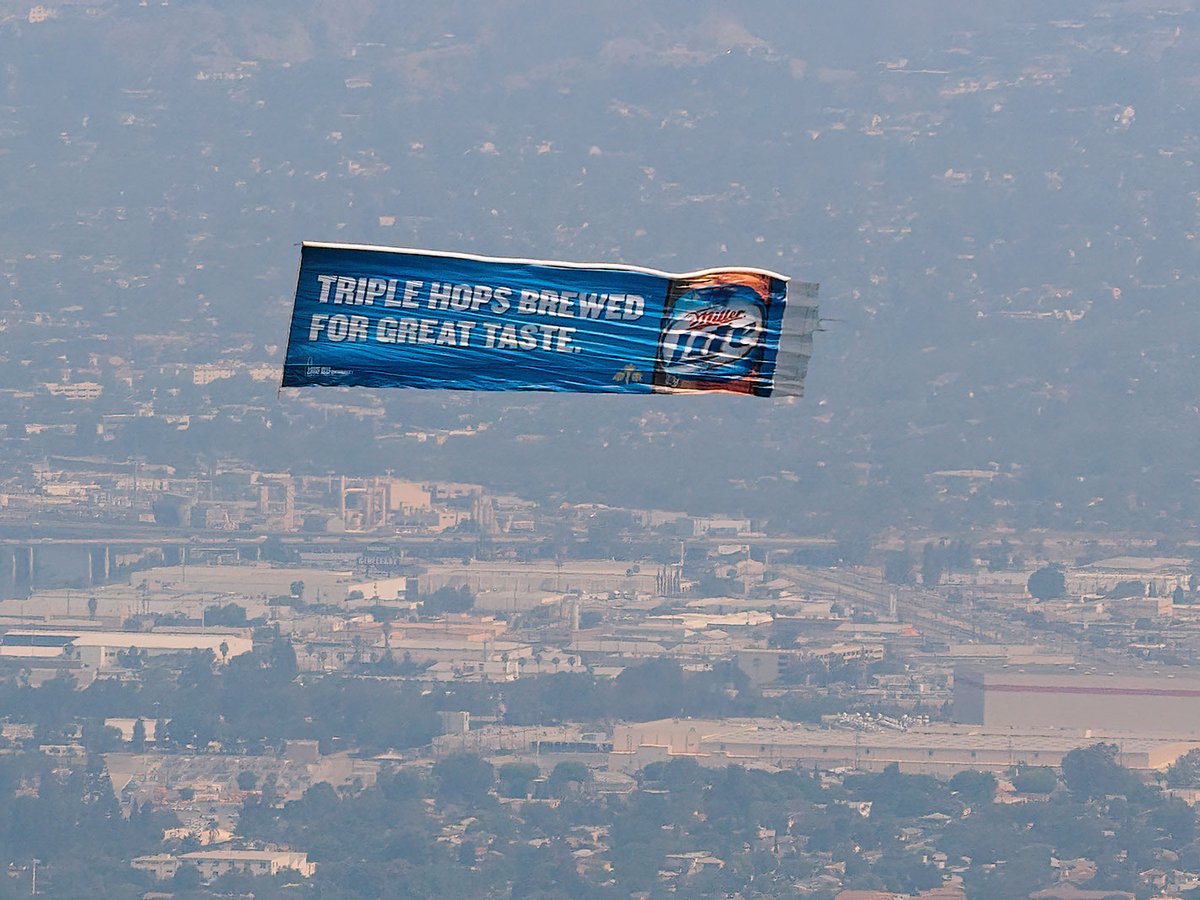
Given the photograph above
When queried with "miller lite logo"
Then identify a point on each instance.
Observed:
(711, 330)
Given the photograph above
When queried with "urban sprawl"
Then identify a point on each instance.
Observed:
(567, 674)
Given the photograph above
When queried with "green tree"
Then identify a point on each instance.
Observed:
(933, 564)
(133, 658)
(1175, 818)
(191, 726)
(448, 600)
(231, 615)
(246, 780)
(999, 557)
(464, 776)
(1034, 779)
(187, 878)
(898, 567)
(100, 738)
(1130, 588)
(903, 872)
(974, 788)
(275, 550)
(853, 549)
(960, 557)
(653, 690)
(898, 794)
(516, 778)
(567, 778)
(1093, 772)
(1048, 583)
(1020, 873)
(282, 660)
(138, 739)
(1185, 771)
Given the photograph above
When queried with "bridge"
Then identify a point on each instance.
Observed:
(84, 554)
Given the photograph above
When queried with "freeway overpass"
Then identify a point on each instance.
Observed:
(56, 554)
(924, 609)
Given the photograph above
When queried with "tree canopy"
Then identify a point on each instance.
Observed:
(1048, 583)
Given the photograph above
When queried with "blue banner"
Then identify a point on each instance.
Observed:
(383, 317)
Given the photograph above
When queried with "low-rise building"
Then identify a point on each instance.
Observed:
(1159, 575)
(934, 750)
(215, 863)
(766, 666)
(102, 650)
(75, 390)
(1146, 702)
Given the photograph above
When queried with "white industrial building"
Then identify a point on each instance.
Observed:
(941, 750)
(99, 650)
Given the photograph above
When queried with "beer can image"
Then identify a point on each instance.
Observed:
(720, 332)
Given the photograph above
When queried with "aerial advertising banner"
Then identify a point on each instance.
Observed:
(385, 317)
